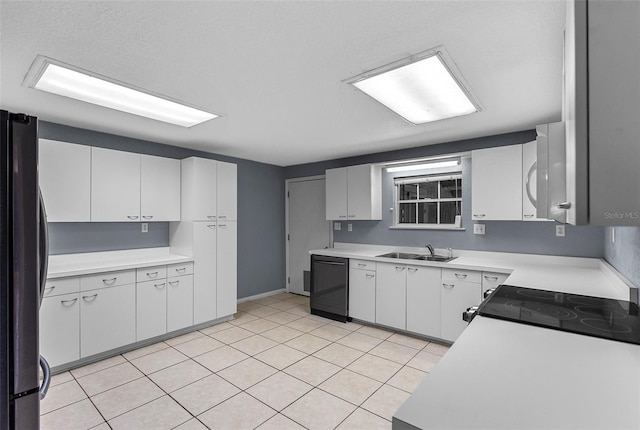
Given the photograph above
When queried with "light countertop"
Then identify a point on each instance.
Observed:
(64, 265)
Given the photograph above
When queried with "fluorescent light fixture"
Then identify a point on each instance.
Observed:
(434, 165)
(57, 78)
(421, 88)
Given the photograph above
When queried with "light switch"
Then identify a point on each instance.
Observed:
(478, 229)
(349, 227)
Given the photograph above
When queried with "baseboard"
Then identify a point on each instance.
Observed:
(261, 295)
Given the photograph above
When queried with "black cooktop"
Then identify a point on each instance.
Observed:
(592, 316)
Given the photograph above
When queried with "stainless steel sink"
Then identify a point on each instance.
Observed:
(410, 256)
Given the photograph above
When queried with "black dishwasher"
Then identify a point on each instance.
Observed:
(330, 287)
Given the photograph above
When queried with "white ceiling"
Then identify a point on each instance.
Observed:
(274, 70)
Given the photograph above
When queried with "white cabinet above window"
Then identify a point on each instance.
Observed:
(354, 193)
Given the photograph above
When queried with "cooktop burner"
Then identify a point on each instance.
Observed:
(592, 316)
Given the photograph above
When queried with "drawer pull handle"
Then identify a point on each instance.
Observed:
(362, 265)
(152, 274)
(159, 286)
(109, 281)
(222, 217)
(92, 297)
(132, 216)
(147, 216)
(211, 226)
(370, 276)
(181, 270)
(528, 216)
(449, 286)
(400, 268)
(479, 215)
(211, 216)
(491, 278)
(68, 302)
(51, 288)
(174, 283)
(460, 276)
(412, 269)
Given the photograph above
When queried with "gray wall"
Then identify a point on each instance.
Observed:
(624, 254)
(504, 236)
(260, 213)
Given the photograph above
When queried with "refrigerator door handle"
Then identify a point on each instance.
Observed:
(46, 379)
(44, 246)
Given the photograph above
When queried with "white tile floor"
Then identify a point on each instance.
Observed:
(274, 366)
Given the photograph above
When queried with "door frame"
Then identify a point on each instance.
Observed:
(286, 220)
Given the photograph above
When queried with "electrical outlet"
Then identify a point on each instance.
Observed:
(349, 227)
(478, 229)
(145, 227)
(337, 226)
(560, 230)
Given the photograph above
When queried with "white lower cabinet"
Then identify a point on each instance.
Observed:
(60, 328)
(492, 280)
(391, 295)
(362, 294)
(180, 302)
(456, 297)
(226, 273)
(107, 319)
(423, 300)
(204, 272)
(151, 309)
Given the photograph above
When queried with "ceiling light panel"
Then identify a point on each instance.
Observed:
(80, 85)
(422, 91)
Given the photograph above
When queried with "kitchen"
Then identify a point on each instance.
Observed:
(128, 43)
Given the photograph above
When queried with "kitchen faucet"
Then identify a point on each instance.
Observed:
(430, 248)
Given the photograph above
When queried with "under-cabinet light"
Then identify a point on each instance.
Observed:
(91, 88)
(435, 165)
(420, 90)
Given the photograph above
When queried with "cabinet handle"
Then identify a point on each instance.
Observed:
(564, 205)
(181, 270)
(211, 216)
(147, 216)
(152, 274)
(222, 225)
(490, 278)
(479, 215)
(412, 269)
(528, 216)
(400, 268)
(109, 281)
(51, 288)
(222, 217)
(460, 276)
(448, 286)
(68, 302)
(132, 216)
(362, 265)
(211, 226)
(85, 298)
(342, 216)
(172, 283)
(369, 275)
(159, 286)
(352, 216)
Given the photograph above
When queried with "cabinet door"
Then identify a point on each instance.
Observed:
(423, 300)
(107, 318)
(159, 188)
(60, 329)
(151, 309)
(199, 189)
(65, 180)
(115, 185)
(204, 272)
(336, 197)
(363, 192)
(179, 302)
(391, 295)
(227, 262)
(362, 295)
(227, 193)
(496, 183)
(456, 297)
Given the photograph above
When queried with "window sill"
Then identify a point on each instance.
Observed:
(425, 227)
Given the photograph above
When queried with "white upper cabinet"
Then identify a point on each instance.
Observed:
(199, 189)
(115, 185)
(159, 188)
(65, 180)
(354, 193)
(227, 192)
(496, 183)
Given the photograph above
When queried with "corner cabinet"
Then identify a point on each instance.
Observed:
(354, 193)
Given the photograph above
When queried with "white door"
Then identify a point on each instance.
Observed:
(227, 192)
(336, 193)
(159, 188)
(115, 185)
(308, 229)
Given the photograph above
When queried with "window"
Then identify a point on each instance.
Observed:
(428, 200)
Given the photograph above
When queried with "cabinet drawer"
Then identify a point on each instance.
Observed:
(180, 269)
(362, 264)
(151, 273)
(492, 280)
(56, 287)
(461, 275)
(107, 279)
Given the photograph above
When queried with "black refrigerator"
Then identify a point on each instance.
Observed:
(23, 256)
